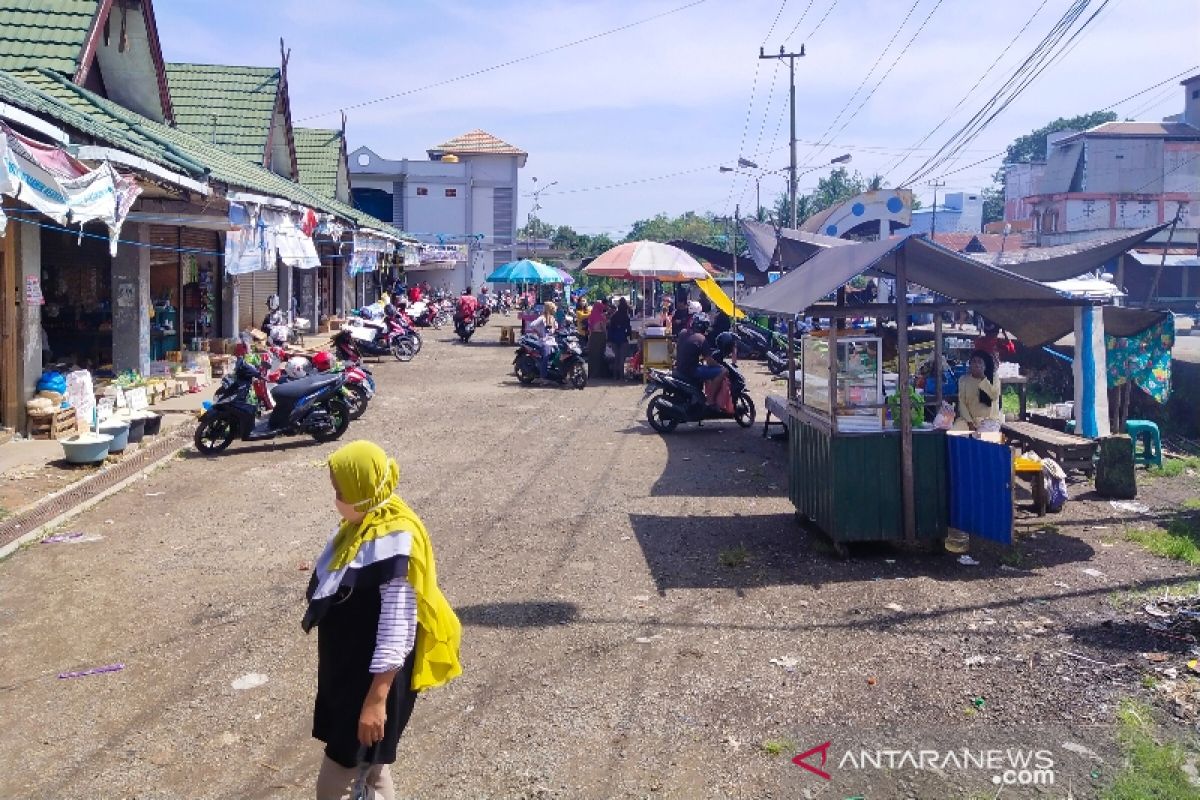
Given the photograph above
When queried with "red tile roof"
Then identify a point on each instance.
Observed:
(990, 241)
(477, 142)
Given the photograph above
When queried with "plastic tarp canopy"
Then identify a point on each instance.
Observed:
(794, 247)
(718, 296)
(1065, 261)
(947, 273)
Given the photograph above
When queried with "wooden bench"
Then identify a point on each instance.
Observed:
(778, 406)
(1073, 453)
(509, 334)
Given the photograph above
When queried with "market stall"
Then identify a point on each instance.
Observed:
(864, 464)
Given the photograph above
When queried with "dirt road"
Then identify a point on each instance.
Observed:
(643, 618)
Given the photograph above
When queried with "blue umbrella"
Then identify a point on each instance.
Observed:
(524, 271)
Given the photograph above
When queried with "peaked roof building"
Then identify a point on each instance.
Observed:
(477, 143)
(243, 110)
(109, 48)
(321, 156)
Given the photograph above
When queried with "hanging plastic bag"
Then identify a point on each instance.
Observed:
(944, 420)
(1056, 485)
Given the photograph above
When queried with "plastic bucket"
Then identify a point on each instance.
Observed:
(89, 448)
(119, 432)
(137, 429)
(153, 423)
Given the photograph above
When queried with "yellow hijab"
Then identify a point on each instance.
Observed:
(366, 478)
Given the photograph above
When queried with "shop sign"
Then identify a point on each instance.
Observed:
(33, 291)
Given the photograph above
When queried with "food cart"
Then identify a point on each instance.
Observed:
(855, 473)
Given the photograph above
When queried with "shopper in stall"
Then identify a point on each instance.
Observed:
(619, 328)
(979, 396)
(995, 342)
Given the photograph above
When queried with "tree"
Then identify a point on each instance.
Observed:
(706, 229)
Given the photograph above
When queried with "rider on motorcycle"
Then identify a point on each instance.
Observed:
(465, 310)
(544, 327)
(690, 349)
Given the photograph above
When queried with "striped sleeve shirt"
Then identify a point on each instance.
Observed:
(397, 630)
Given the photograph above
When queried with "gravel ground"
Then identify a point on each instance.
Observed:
(643, 618)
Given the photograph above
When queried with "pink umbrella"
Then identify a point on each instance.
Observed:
(646, 260)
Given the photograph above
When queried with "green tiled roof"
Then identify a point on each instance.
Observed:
(44, 33)
(47, 95)
(231, 107)
(318, 152)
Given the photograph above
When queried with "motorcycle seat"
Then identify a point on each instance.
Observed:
(293, 390)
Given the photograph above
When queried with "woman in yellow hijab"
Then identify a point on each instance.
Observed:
(384, 630)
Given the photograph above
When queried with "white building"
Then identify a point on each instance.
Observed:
(463, 197)
(959, 212)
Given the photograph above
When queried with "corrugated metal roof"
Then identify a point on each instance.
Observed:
(230, 107)
(318, 151)
(1162, 130)
(44, 93)
(44, 33)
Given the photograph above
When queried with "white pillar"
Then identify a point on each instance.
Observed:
(1091, 373)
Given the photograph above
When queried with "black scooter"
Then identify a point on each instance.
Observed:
(465, 328)
(681, 400)
(567, 366)
(312, 405)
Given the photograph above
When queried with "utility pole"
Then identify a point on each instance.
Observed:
(791, 57)
(1158, 272)
(933, 222)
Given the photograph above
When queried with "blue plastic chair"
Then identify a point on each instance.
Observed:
(1146, 432)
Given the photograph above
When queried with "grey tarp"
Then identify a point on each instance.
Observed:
(786, 248)
(948, 273)
(1065, 261)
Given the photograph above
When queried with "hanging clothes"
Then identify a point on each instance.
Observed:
(1144, 358)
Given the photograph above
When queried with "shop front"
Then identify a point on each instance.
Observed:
(184, 289)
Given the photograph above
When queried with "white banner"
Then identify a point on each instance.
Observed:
(62, 188)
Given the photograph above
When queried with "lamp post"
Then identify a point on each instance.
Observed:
(845, 158)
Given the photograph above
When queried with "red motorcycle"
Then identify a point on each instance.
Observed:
(360, 385)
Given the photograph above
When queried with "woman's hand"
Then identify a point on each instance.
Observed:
(371, 721)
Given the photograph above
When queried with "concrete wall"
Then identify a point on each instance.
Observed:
(1021, 181)
(29, 260)
(1087, 215)
(1133, 166)
(131, 301)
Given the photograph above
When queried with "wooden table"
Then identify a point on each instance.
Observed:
(1037, 480)
(1070, 451)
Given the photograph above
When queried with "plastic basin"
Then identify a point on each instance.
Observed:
(87, 449)
(119, 433)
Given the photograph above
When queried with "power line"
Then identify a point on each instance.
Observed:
(886, 73)
(510, 62)
(971, 91)
(1049, 50)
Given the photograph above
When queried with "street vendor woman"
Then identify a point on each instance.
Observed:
(385, 632)
(979, 395)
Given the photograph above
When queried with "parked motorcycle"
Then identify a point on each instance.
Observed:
(380, 338)
(567, 365)
(312, 405)
(680, 400)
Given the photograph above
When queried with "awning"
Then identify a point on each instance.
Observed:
(1028, 313)
(296, 249)
(1066, 260)
(794, 247)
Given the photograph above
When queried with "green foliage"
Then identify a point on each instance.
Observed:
(777, 747)
(1180, 541)
(734, 556)
(1032, 146)
(993, 203)
(1153, 770)
(1174, 467)
(707, 229)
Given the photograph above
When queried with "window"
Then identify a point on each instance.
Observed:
(422, 191)
(1196, 94)
(452, 193)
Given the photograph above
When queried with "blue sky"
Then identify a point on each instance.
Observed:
(686, 92)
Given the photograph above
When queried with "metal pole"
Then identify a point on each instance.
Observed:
(792, 192)
(937, 356)
(933, 222)
(907, 497)
(733, 252)
(1158, 272)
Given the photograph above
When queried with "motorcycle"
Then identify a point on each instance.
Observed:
(380, 338)
(312, 405)
(464, 327)
(567, 365)
(680, 400)
(482, 315)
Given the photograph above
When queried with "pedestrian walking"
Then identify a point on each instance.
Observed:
(384, 630)
(619, 329)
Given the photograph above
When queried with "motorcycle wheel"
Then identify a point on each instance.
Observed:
(743, 410)
(776, 367)
(578, 375)
(402, 349)
(339, 412)
(356, 400)
(524, 374)
(416, 340)
(214, 434)
(660, 420)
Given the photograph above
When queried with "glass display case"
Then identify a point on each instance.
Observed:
(858, 402)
